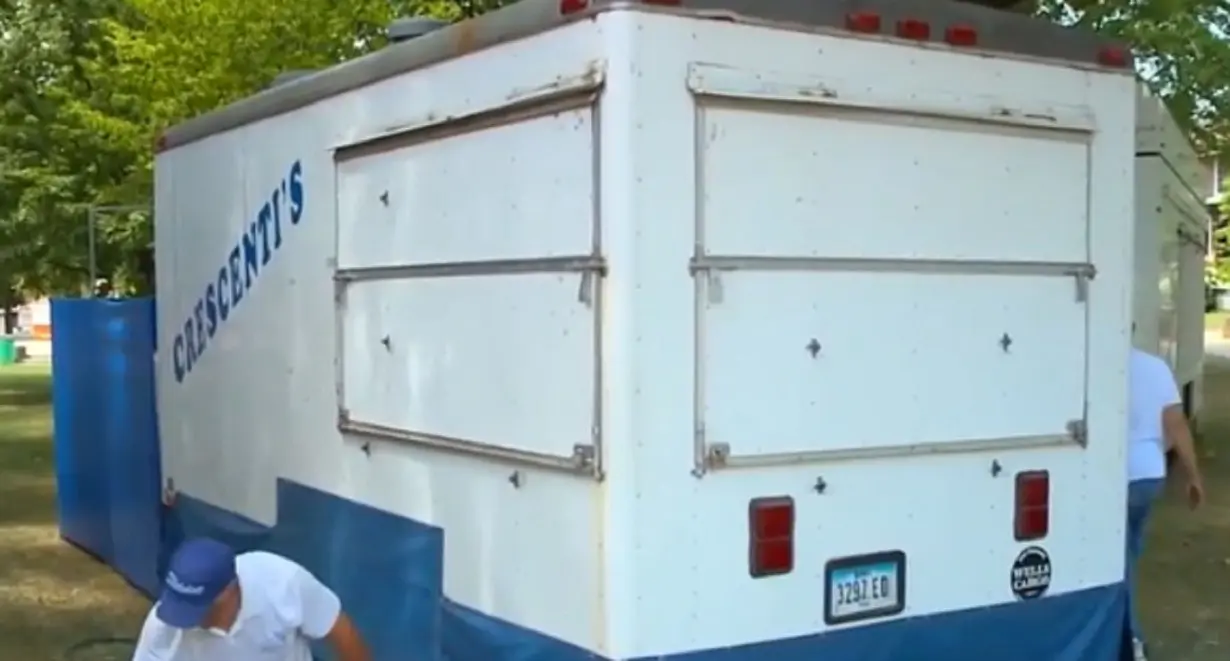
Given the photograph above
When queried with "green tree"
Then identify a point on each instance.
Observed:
(1182, 50)
(90, 83)
(162, 62)
(45, 179)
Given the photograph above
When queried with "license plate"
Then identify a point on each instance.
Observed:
(864, 587)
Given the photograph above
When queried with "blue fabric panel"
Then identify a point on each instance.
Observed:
(388, 571)
(1078, 626)
(80, 447)
(195, 518)
(469, 635)
(106, 440)
(126, 382)
(347, 546)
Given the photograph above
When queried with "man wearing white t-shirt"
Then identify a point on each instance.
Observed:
(1156, 423)
(218, 606)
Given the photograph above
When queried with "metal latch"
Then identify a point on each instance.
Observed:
(1082, 287)
(1078, 432)
(583, 456)
(716, 454)
(713, 286)
(1083, 275)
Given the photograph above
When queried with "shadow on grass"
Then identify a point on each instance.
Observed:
(25, 385)
(27, 484)
(56, 599)
(51, 595)
(32, 396)
(26, 502)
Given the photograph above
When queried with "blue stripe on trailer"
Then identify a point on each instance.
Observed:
(388, 571)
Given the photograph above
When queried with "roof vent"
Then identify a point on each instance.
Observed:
(290, 76)
(405, 29)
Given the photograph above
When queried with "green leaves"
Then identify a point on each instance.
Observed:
(1182, 48)
(87, 85)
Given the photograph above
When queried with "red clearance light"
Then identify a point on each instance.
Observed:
(961, 35)
(911, 28)
(572, 6)
(1033, 505)
(1114, 56)
(771, 535)
(863, 21)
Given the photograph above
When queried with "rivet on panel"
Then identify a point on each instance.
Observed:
(813, 347)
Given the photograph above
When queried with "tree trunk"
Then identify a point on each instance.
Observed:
(8, 310)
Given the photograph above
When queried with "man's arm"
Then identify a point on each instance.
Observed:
(1176, 432)
(157, 641)
(346, 641)
(322, 618)
(1179, 436)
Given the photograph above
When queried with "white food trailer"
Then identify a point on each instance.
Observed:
(1173, 228)
(590, 329)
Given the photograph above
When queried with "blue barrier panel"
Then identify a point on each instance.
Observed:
(127, 361)
(80, 455)
(106, 432)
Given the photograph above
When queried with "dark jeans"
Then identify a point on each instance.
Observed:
(1141, 494)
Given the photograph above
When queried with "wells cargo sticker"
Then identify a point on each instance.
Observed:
(1031, 573)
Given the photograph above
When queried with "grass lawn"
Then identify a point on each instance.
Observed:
(51, 595)
(1215, 321)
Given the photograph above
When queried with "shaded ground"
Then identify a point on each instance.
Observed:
(1216, 320)
(51, 595)
(1185, 574)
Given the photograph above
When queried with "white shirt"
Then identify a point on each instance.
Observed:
(283, 608)
(1152, 389)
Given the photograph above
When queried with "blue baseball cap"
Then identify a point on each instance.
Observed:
(200, 570)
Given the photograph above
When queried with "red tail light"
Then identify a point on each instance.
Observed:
(912, 28)
(864, 21)
(572, 6)
(961, 35)
(1033, 505)
(1114, 56)
(771, 533)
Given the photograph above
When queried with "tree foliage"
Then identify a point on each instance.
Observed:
(86, 85)
(46, 176)
(1182, 50)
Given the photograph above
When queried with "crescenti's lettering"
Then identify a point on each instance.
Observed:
(243, 264)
